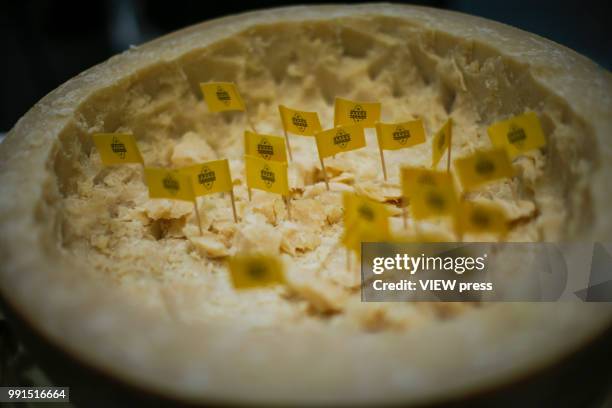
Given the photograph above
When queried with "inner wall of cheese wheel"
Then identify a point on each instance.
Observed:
(152, 250)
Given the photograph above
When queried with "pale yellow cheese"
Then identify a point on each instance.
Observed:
(129, 284)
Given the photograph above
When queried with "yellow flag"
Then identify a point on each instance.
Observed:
(417, 177)
(265, 146)
(222, 96)
(364, 221)
(441, 141)
(479, 217)
(340, 139)
(518, 134)
(164, 183)
(117, 148)
(399, 135)
(210, 177)
(300, 122)
(483, 167)
(358, 209)
(265, 175)
(433, 196)
(364, 114)
(251, 271)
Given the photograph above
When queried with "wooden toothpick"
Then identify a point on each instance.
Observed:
(197, 213)
(233, 205)
(287, 201)
(288, 145)
(324, 173)
(382, 161)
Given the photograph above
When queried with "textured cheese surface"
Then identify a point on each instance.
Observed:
(155, 244)
(130, 284)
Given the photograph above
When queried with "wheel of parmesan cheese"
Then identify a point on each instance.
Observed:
(128, 287)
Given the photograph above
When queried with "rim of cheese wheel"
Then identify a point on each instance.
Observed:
(482, 349)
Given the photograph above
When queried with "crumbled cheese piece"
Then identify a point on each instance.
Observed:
(209, 245)
(166, 209)
(298, 238)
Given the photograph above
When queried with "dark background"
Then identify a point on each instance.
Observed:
(47, 42)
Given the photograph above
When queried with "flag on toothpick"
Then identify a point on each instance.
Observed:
(173, 185)
(337, 140)
(366, 212)
(340, 139)
(117, 148)
(441, 142)
(170, 184)
(481, 217)
(483, 167)
(416, 177)
(299, 122)
(431, 197)
(222, 96)
(395, 136)
(364, 221)
(252, 271)
(266, 175)
(398, 136)
(211, 177)
(364, 114)
(265, 146)
(518, 134)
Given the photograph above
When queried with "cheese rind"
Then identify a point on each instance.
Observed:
(417, 62)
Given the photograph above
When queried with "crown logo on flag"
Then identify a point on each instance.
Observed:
(265, 149)
(171, 184)
(207, 177)
(118, 148)
(267, 175)
(223, 95)
(299, 122)
(516, 135)
(357, 114)
(342, 138)
(401, 135)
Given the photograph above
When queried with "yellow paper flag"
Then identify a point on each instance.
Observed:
(265, 175)
(171, 184)
(518, 134)
(417, 177)
(117, 148)
(340, 139)
(251, 271)
(399, 135)
(483, 167)
(367, 212)
(364, 114)
(265, 146)
(299, 122)
(210, 177)
(433, 194)
(222, 96)
(480, 217)
(364, 221)
(441, 141)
